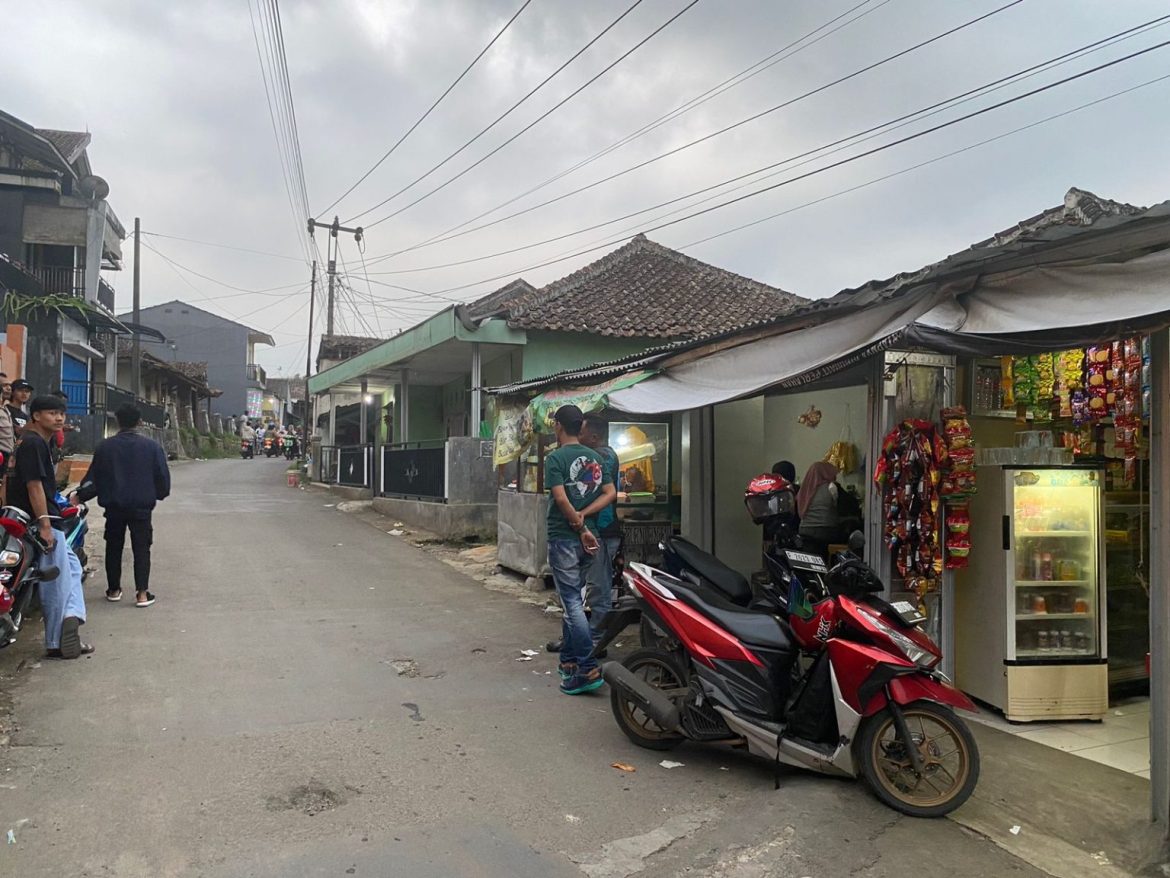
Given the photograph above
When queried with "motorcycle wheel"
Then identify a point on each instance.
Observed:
(662, 671)
(949, 754)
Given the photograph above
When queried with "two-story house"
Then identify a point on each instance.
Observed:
(58, 234)
(228, 348)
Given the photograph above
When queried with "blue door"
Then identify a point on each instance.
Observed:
(75, 383)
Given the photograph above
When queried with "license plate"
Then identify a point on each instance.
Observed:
(803, 559)
(908, 612)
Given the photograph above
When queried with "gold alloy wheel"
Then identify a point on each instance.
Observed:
(945, 754)
(659, 671)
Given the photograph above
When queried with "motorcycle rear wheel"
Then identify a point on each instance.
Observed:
(949, 753)
(662, 671)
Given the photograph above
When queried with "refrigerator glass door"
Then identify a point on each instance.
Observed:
(1056, 543)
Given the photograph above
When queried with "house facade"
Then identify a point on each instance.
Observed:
(227, 347)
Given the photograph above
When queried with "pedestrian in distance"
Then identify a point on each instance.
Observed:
(575, 478)
(32, 488)
(128, 475)
(22, 391)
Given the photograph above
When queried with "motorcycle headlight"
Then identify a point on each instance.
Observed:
(9, 558)
(908, 648)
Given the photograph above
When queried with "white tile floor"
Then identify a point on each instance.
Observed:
(1121, 740)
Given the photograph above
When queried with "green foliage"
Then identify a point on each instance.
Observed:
(18, 306)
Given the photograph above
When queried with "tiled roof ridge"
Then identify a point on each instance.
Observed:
(70, 143)
(1080, 208)
(636, 245)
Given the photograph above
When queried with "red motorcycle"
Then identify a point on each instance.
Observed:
(832, 678)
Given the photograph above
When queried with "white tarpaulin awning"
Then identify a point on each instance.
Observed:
(756, 365)
(1053, 299)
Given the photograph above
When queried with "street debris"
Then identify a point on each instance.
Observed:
(529, 652)
(623, 766)
(478, 649)
(1015, 830)
(1102, 859)
(572, 818)
(11, 837)
(400, 524)
(330, 505)
(524, 658)
(552, 611)
(397, 532)
(666, 763)
(416, 716)
(405, 667)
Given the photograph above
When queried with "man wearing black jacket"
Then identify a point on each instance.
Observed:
(129, 475)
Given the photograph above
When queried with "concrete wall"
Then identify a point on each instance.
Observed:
(200, 336)
(521, 533)
(843, 412)
(450, 521)
(42, 364)
(470, 477)
(739, 450)
(549, 352)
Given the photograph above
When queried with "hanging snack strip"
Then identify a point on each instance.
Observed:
(909, 475)
(1127, 388)
(957, 485)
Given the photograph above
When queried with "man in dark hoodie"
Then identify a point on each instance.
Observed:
(129, 476)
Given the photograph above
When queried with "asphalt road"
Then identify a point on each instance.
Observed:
(254, 723)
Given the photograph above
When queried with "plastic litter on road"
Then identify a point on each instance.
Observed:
(666, 763)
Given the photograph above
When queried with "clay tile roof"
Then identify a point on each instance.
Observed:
(342, 347)
(644, 289)
(197, 371)
(69, 143)
(504, 301)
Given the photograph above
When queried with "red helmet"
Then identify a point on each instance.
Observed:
(768, 496)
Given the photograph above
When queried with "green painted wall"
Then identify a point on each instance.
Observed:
(549, 352)
(426, 414)
(502, 370)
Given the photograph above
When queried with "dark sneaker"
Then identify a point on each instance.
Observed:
(114, 596)
(144, 602)
(566, 671)
(554, 646)
(579, 684)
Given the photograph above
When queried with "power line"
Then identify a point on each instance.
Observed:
(430, 109)
(932, 161)
(908, 138)
(754, 117)
(678, 112)
(546, 114)
(216, 280)
(292, 108)
(222, 246)
(833, 147)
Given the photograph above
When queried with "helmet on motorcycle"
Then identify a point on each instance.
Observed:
(768, 496)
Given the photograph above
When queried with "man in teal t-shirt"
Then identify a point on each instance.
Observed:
(575, 478)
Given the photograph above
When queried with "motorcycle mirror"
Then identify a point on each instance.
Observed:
(857, 542)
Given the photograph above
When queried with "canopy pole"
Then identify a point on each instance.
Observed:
(1160, 581)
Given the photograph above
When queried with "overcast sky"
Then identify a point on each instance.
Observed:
(173, 96)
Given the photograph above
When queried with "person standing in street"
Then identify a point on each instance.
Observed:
(575, 478)
(595, 435)
(22, 391)
(129, 475)
(7, 435)
(33, 487)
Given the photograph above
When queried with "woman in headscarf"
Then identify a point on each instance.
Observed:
(816, 503)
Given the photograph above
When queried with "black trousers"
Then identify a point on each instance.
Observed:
(141, 537)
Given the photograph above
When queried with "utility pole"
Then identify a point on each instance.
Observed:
(309, 349)
(331, 260)
(136, 353)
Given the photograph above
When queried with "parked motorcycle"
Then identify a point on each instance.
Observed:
(20, 571)
(247, 449)
(75, 524)
(817, 672)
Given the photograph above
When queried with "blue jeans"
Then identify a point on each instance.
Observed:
(600, 581)
(61, 597)
(570, 564)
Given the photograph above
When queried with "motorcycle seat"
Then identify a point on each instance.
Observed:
(750, 626)
(731, 583)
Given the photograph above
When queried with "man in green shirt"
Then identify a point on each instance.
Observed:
(575, 478)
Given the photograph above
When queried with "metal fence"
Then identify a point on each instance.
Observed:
(328, 472)
(99, 398)
(415, 470)
(354, 465)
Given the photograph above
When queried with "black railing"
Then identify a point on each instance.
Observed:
(61, 280)
(105, 295)
(97, 397)
(256, 373)
(354, 465)
(416, 469)
(329, 464)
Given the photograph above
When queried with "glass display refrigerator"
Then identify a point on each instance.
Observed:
(1030, 610)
